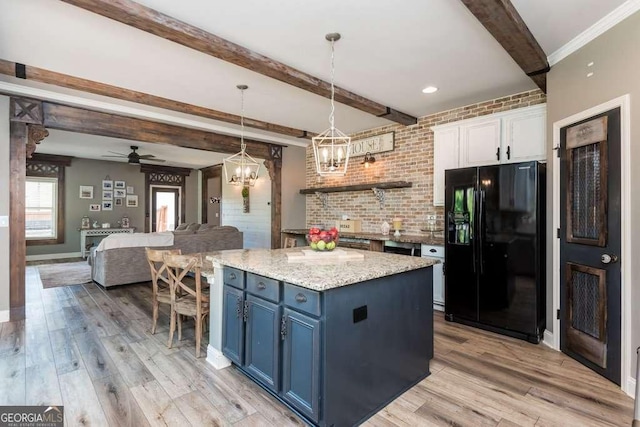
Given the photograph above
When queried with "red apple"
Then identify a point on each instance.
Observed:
(314, 230)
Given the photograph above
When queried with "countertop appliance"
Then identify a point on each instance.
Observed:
(402, 248)
(495, 248)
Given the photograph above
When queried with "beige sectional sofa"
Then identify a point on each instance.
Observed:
(118, 266)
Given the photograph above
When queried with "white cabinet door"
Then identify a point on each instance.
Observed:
(445, 156)
(525, 136)
(480, 143)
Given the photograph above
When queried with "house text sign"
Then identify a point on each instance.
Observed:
(373, 144)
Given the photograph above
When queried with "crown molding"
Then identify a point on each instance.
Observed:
(607, 22)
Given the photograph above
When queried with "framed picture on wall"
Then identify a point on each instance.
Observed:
(132, 201)
(86, 191)
(129, 189)
(107, 205)
(107, 195)
(107, 184)
(85, 223)
(118, 201)
(120, 184)
(119, 193)
(95, 208)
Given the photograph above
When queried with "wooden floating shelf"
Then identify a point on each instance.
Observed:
(358, 187)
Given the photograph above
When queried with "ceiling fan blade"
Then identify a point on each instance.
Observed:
(154, 160)
(120, 154)
(118, 157)
(146, 156)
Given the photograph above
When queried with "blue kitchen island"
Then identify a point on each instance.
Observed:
(336, 338)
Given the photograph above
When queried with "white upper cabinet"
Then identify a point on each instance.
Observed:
(445, 156)
(480, 143)
(524, 135)
(508, 137)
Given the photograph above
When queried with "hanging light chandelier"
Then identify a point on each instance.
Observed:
(331, 147)
(241, 168)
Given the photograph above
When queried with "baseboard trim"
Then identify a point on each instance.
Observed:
(53, 256)
(216, 359)
(631, 387)
(5, 316)
(549, 340)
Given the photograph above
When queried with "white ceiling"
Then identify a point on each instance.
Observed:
(389, 51)
(95, 147)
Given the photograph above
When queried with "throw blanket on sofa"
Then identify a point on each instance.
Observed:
(130, 240)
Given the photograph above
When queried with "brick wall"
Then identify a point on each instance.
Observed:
(411, 160)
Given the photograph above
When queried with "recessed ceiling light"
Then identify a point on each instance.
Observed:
(429, 89)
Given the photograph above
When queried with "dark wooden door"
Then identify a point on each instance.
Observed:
(590, 318)
(233, 324)
(262, 342)
(301, 363)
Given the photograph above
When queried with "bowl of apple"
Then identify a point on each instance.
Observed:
(322, 240)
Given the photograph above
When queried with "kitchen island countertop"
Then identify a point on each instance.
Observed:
(319, 275)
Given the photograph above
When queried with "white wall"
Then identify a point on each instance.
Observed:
(4, 208)
(293, 179)
(256, 225)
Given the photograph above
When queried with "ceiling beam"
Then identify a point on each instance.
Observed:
(149, 20)
(504, 23)
(79, 120)
(41, 75)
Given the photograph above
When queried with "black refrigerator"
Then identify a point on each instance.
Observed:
(495, 248)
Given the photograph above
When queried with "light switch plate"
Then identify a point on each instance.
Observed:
(431, 217)
(4, 220)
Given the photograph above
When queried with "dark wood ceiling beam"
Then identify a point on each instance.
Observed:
(41, 75)
(149, 20)
(79, 120)
(504, 23)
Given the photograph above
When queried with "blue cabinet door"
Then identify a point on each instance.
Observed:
(262, 342)
(301, 363)
(233, 325)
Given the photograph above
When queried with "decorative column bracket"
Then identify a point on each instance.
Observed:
(379, 193)
(324, 199)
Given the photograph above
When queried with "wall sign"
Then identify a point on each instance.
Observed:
(373, 144)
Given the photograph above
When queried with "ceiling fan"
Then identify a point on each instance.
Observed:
(134, 157)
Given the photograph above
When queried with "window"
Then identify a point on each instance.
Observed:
(41, 205)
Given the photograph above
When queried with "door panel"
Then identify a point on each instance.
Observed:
(301, 363)
(232, 325)
(507, 238)
(262, 342)
(586, 304)
(590, 313)
(460, 247)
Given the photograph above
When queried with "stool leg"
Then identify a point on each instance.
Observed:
(179, 327)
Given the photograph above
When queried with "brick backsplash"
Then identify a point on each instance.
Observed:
(411, 160)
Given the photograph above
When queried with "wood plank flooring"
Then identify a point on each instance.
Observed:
(91, 350)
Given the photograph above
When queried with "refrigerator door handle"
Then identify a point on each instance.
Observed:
(480, 229)
(473, 243)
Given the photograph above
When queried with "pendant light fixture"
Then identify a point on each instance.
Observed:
(241, 169)
(331, 147)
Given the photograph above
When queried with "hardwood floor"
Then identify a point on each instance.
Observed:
(91, 350)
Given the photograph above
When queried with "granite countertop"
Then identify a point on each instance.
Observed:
(425, 239)
(319, 275)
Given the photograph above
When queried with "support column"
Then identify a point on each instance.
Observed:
(274, 166)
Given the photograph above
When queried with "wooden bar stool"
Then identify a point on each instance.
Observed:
(161, 292)
(185, 300)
